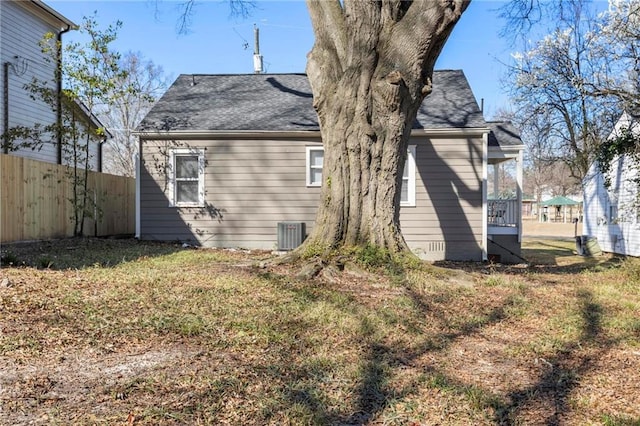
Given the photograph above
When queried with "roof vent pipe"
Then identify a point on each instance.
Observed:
(257, 58)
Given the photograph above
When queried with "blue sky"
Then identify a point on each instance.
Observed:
(220, 44)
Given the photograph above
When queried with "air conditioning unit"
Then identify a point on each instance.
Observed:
(290, 235)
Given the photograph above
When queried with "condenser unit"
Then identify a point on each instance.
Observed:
(290, 235)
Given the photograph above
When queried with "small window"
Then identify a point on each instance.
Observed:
(613, 214)
(315, 160)
(408, 190)
(186, 178)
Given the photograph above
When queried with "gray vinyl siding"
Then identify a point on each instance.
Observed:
(250, 186)
(21, 32)
(257, 183)
(446, 222)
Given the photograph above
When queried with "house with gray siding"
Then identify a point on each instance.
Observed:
(23, 24)
(225, 159)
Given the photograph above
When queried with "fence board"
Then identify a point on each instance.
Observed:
(35, 201)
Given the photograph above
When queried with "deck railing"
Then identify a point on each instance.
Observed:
(503, 213)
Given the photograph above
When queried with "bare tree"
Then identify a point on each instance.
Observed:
(619, 39)
(146, 83)
(545, 172)
(553, 81)
(539, 159)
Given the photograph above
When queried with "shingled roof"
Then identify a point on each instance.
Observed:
(503, 134)
(284, 102)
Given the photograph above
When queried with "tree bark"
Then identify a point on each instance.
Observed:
(370, 69)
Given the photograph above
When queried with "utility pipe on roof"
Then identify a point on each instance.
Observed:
(257, 57)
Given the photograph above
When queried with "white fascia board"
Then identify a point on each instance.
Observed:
(208, 134)
(470, 131)
(178, 134)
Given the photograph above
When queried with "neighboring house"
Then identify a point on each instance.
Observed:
(225, 159)
(612, 214)
(22, 25)
(529, 206)
(88, 124)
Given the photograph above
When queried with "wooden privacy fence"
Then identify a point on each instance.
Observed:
(35, 201)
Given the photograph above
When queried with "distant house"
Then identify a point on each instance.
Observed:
(529, 206)
(22, 25)
(612, 214)
(227, 159)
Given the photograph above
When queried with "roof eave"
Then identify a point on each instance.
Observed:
(519, 147)
(203, 134)
(456, 131)
(54, 14)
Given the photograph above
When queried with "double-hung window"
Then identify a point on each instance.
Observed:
(186, 178)
(315, 157)
(315, 161)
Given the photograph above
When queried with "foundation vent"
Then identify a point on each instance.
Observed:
(435, 246)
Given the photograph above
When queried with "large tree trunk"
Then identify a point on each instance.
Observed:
(369, 69)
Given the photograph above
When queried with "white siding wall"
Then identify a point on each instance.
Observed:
(612, 215)
(595, 200)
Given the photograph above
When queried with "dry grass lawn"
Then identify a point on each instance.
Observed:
(108, 332)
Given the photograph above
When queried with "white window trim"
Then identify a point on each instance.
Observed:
(171, 187)
(411, 182)
(310, 149)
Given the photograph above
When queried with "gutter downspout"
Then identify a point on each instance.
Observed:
(99, 160)
(485, 207)
(5, 100)
(138, 177)
(520, 191)
(59, 100)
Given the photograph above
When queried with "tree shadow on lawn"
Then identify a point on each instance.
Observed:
(551, 392)
(560, 257)
(544, 256)
(382, 362)
(80, 253)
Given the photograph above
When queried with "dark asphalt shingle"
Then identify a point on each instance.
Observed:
(505, 133)
(284, 102)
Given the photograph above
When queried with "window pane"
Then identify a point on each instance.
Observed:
(316, 176)
(186, 166)
(187, 192)
(404, 191)
(405, 172)
(317, 158)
